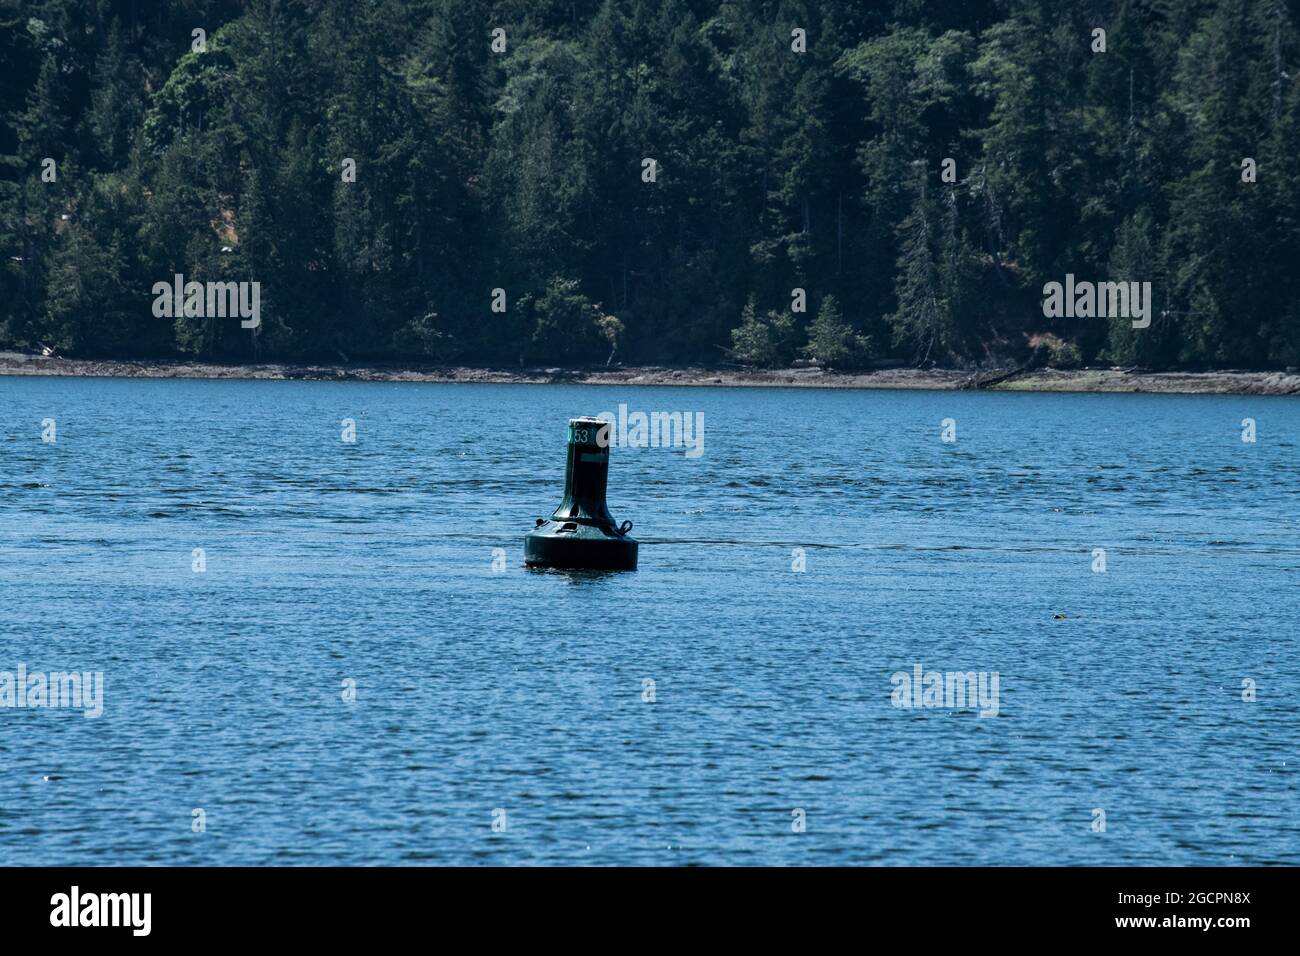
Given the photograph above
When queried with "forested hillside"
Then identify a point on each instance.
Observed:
(795, 144)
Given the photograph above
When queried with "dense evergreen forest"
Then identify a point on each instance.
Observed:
(580, 181)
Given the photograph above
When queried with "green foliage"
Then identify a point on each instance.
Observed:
(522, 170)
(1064, 355)
(832, 342)
(1135, 250)
(766, 340)
(566, 324)
(611, 330)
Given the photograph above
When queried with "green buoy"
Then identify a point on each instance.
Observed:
(581, 534)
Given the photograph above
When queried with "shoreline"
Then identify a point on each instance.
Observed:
(1002, 380)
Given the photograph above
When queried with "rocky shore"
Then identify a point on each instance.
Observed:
(1009, 379)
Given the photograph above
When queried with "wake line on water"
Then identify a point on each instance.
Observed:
(1025, 549)
(1219, 546)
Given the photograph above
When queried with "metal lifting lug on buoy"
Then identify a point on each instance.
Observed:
(581, 534)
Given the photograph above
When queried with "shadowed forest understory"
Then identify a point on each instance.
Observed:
(653, 181)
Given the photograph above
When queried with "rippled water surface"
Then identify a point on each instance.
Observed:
(522, 691)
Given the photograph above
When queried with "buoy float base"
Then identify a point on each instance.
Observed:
(573, 546)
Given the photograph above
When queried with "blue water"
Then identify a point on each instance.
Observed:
(521, 691)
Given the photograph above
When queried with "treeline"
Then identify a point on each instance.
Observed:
(579, 181)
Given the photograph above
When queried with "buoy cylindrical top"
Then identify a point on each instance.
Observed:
(586, 472)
